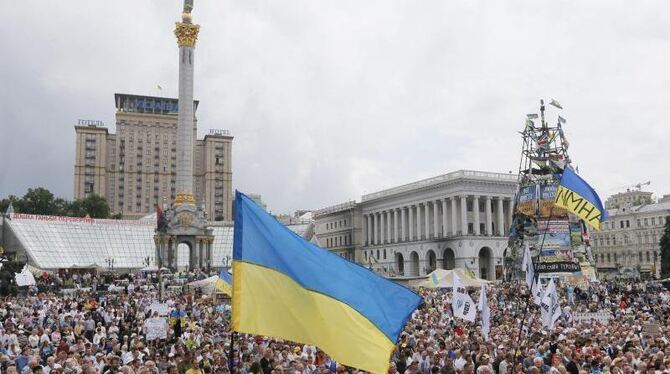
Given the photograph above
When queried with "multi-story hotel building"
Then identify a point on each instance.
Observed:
(135, 169)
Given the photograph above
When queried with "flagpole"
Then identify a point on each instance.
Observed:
(535, 276)
(231, 356)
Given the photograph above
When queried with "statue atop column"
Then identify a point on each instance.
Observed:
(188, 6)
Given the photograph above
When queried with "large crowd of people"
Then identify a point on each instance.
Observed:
(107, 332)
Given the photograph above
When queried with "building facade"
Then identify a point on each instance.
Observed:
(339, 229)
(459, 219)
(136, 168)
(628, 244)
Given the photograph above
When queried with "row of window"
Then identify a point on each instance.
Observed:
(336, 225)
(612, 240)
(640, 257)
(641, 222)
(338, 241)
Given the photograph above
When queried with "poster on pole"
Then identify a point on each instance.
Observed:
(527, 200)
(547, 196)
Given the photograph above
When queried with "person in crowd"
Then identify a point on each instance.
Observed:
(104, 332)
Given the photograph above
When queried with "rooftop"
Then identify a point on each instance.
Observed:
(460, 174)
(335, 208)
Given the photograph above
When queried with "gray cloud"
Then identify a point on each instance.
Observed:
(329, 100)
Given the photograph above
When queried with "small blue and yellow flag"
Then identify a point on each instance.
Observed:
(288, 288)
(575, 195)
(225, 282)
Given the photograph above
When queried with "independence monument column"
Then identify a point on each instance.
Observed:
(184, 222)
(187, 34)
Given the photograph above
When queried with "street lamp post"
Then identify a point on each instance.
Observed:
(110, 263)
(226, 263)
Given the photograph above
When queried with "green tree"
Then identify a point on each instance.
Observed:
(95, 206)
(4, 204)
(74, 209)
(665, 250)
(38, 201)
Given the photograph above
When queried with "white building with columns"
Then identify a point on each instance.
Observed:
(459, 219)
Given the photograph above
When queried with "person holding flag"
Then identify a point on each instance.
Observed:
(462, 303)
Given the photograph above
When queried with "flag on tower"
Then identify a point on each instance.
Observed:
(289, 288)
(575, 195)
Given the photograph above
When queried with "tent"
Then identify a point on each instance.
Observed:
(441, 278)
(210, 286)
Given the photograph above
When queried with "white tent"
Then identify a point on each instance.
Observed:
(25, 278)
(207, 285)
(441, 278)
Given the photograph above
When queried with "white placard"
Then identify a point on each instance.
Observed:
(155, 328)
(161, 308)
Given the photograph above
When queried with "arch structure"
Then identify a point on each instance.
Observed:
(184, 224)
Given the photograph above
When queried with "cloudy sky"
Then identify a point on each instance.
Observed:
(328, 100)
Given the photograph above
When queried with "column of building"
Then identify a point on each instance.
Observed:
(396, 237)
(426, 213)
(489, 223)
(411, 222)
(389, 226)
(436, 219)
(382, 220)
(475, 210)
(443, 206)
(501, 220)
(375, 229)
(403, 228)
(464, 216)
(454, 214)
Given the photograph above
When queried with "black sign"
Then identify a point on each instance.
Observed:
(557, 267)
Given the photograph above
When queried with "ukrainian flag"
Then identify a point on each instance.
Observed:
(575, 195)
(225, 282)
(288, 288)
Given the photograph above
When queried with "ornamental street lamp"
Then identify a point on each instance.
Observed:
(110, 263)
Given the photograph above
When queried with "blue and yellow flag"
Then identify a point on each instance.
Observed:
(288, 288)
(225, 282)
(575, 195)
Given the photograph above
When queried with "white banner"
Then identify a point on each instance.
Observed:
(155, 328)
(162, 309)
(550, 310)
(600, 316)
(486, 314)
(464, 307)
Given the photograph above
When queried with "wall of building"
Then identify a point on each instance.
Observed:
(338, 228)
(410, 230)
(628, 244)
